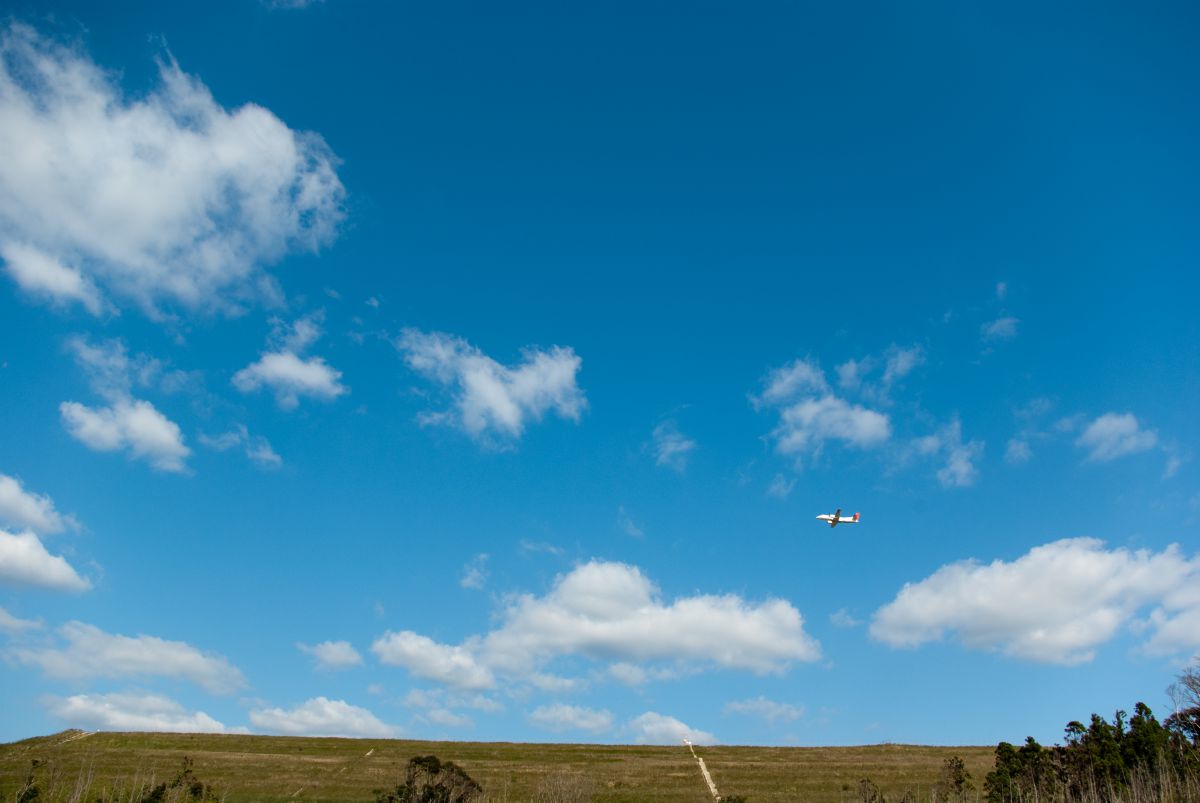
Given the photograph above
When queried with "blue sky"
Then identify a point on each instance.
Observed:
(472, 373)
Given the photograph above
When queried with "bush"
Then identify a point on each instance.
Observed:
(428, 780)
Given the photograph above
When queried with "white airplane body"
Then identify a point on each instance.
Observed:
(837, 518)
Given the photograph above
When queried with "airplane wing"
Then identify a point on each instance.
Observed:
(837, 514)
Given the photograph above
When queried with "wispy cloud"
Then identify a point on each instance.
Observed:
(765, 709)
(332, 655)
(671, 447)
(1004, 328)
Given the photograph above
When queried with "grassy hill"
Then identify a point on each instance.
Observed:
(292, 768)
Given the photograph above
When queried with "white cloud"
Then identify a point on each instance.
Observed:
(810, 415)
(654, 728)
(797, 378)
(92, 653)
(494, 401)
(332, 654)
(13, 626)
(1001, 290)
(1055, 604)
(610, 612)
(321, 716)
(131, 711)
(763, 708)
(900, 362)
(1114, 435)
(805, 426)
(125, 423)
(24, 561)
(851, 373)
(27, 510)
(162, 199)
(291, 376)
(425, 658)
(671, 447)
(475, 573)
(635, 675)
(959, 470)
(1004, 328)
(561, 717)
(133, 425)
(257, 448)
(41, 275)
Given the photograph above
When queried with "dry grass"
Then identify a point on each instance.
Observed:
(277, 768)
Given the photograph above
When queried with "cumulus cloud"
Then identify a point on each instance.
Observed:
(654, 728)
(330, 655)
(131, 711)
(132, 425)
(1004, 328)
(92, 653)
(425, 658)
(1114, 435)
(14, 626)
(24, 562)
(610, 612)
(126, 423)
(671, 447)
(1055, 604)
(166, 199)
(285, 372)
(28, 510)
(561, 717)
(763, 708)
(810, 414)
(494, 402)
(960, 469)
(321, 716)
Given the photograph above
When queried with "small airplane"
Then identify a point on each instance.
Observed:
(837, 518)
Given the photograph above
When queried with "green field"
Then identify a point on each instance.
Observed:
(293, 768)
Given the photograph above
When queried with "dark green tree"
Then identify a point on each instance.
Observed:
(429, 780)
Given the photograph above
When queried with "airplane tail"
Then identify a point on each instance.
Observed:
(856, 517)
